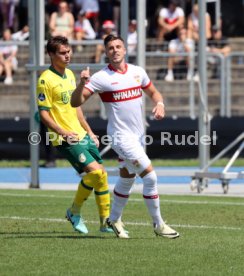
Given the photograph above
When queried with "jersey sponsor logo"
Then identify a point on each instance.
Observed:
(41, 97)
(113, 83)
(64, 97)
(82, 158)
(121, 95)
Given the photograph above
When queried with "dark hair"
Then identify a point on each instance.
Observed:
(112, 37)
(54, 43)
(174, 2)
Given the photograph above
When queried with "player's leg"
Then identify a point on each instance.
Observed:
(140, 164)
(122, 191)
(151, 198)
(76, 155)
(98, 178)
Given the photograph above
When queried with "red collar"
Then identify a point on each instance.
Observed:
(115, 70)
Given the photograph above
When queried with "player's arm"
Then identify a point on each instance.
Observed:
(157, 98)
(86, 126)
(50, 123)
(52, 24)
(81, 94)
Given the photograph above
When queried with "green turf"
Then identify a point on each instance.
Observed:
(112, 162)
(34, 243)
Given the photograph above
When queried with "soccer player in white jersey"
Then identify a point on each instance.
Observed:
(120, 86)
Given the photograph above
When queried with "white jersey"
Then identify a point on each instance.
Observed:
(121, 94)
(171, 17)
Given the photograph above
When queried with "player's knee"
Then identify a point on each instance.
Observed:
(96, 179)
(124, 185)
(150, 183)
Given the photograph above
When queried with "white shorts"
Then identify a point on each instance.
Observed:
(132, 156)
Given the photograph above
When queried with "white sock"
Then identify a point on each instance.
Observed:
(118, 205)
(151, 198)
(121, 195)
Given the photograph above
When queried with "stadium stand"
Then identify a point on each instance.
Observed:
(14, 99)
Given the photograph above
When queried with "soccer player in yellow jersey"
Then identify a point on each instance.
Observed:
(71, 134)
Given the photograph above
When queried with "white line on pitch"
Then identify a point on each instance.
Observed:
(136, 199)
(128, 223)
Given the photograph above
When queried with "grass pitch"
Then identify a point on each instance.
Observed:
(35, 239)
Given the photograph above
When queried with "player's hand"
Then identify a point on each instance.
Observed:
(69, 136)
(85, 75)
(159, 111)
(94, 138)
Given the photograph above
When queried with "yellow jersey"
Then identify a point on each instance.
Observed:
(53, 94)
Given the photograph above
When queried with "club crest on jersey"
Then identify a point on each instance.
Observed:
(137, 78)
(82, 158)
(41, 97)
(42, 82)
(64, 97)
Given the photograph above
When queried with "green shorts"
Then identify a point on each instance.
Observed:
(81, 153)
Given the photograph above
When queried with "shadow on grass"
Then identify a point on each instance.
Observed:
(47, 235)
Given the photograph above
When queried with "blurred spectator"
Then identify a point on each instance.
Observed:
(193, 24)
(62, 22)
(83, 29)
(51, 6)
(77, 6)
(91, 8)
(108, 28)
(22, 14)
(116, 13)
(21, 35)
(107, 10)
(169, 20)
(8, 60)
(218, 43)
(7, 9)
(182, 44)
(132, 37)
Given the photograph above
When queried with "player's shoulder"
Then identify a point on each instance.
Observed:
(101, 73)
(44, 77)
(45, 74)
(134, 68)
(69, 72)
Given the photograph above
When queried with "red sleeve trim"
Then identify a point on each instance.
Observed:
(145, 87)
(89, 89)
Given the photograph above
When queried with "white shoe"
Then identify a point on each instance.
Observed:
(118, 228)
(169, 77)
(165, 231)
(196, 77)
(189, 76)
(8, 81)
